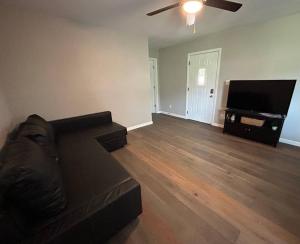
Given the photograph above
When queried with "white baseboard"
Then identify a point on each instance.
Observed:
(172, 114)
(217, 125)
(290, 142)
(183, 117)
(139, 126)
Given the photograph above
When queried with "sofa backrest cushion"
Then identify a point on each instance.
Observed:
(40, 136)
(37, 120)
(13, 135)
(81, 122)
(31, 180)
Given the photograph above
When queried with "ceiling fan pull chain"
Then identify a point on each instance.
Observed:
(194, 32)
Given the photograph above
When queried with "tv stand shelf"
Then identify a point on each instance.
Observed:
(264, 128)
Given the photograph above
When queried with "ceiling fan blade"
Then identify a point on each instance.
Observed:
(222, 4)
(164, 9)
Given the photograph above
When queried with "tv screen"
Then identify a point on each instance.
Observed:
(264, 96)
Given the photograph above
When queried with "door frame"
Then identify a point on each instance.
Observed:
(156, 83)
(219, 50)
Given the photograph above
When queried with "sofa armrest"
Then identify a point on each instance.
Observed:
(81, 122)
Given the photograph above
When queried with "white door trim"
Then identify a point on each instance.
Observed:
(219, 50)
(156, 84)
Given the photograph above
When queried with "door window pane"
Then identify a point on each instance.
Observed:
(201, 77)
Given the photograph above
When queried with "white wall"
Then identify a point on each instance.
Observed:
(58, 69)
(5, 118)
(267, 50)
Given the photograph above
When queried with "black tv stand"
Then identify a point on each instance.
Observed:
(260, 127)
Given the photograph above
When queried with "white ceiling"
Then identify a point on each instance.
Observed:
(164, 29)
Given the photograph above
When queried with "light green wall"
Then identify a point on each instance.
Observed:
(269, 50)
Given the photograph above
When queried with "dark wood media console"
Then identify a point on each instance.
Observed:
(264, 128)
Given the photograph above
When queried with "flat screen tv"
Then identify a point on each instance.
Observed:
(263, 96)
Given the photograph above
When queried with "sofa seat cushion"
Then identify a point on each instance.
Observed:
(31, 180)
(111, 136)
(95, 220)
(102, 199)
(84, 159)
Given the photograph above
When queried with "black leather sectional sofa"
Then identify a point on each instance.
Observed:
(90, 196)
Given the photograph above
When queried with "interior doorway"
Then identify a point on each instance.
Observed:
(154, 84)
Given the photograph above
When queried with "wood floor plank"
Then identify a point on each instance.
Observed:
(201, 214)
(202, 186)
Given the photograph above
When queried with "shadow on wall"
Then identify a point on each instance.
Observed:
(3, 134)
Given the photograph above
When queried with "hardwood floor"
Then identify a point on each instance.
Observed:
(202, 186)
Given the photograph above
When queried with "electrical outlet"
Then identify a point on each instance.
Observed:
(170, 106)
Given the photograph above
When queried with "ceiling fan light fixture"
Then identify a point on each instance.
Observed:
(192, 7)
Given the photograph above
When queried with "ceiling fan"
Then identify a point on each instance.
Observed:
(192, 7)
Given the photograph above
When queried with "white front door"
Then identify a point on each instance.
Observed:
(201, 85)
(154, 85)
